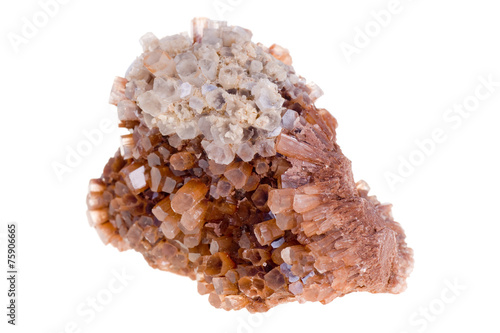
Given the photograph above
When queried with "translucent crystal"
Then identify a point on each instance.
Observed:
(150, 103)
(159, 63)
(149, 42)
(182, 161)
(118, 91)
(188, 196)
(267, 96)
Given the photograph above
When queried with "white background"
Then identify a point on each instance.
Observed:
(395, 90)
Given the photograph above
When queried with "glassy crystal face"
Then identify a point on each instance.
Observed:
(231, 176)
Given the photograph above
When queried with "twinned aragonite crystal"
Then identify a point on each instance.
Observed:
(231, 176)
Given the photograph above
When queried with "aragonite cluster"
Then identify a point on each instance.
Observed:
(231, 176)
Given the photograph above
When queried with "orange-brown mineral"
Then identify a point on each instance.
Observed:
(231, 176)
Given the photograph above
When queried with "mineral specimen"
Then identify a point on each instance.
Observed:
(231, 176)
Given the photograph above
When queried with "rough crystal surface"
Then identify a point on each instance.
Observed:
(231, 176)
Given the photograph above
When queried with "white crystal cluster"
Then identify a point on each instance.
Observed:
(217, 83)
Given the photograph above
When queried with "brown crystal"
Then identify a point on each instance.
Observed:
(289, 224)
(182, 161)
